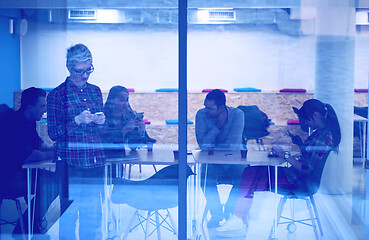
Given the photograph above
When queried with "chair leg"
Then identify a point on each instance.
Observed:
(1, 202)
(129, 171)
(147, 233)
(158, 224)
(154, 168)
(312, 200)
(17, 202)
(308, 203)
(139, 166)
(279, 213)
(172, 222)
(205, 214)
(129, 225)
(292, 208)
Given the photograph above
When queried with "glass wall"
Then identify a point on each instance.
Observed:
(266, 57)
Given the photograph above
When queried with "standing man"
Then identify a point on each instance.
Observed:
(20, 143)
(74, 114)
(221, 127)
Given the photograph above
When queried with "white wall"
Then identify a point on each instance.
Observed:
(147, 58)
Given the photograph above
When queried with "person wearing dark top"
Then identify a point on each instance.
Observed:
(21, 144)
(326, 136)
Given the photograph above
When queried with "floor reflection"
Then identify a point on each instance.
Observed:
(341, 215)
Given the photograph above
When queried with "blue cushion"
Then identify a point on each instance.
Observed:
(247, 89)
(167, 90)
(175, 121)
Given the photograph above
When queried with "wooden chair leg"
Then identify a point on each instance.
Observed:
(129, 171)
(172, 222)
(312, 200)
(147, 233)
(312, 216)
(1, 202)
(130, 225)
(279, 213)
(19, 209)
(158, 225)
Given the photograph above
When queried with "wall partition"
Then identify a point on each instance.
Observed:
(182, 164)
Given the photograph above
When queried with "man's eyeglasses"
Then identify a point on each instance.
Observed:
(87, 71)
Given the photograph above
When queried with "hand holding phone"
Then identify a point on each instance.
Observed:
(99, 118)
(295, 139)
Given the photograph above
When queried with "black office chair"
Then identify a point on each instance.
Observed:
(254, 128)
(307, 193)
(159, 192)
(15, 198)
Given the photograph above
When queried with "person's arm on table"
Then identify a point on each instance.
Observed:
(39, 156)
(203, 136)
(234, 138)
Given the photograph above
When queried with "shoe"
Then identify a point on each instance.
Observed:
(239, 233)
(214, 222)
(149, 139)
(233, 223)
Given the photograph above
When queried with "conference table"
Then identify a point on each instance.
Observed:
(256, 158)
(196, 159)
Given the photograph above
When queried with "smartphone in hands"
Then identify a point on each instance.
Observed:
(295, 138)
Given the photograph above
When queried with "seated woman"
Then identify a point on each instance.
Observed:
(319, 117)
(123, 125)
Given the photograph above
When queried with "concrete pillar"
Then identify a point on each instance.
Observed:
(334, 84)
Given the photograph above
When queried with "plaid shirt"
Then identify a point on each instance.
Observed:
(79, 145)
(314, 149)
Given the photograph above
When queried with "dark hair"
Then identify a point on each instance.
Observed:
(110, 101)
(30, 97)
(313, 105)
(217, 96)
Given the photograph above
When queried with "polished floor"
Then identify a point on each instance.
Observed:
(342, 216)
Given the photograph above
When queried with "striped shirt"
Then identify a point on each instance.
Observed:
(79, 145)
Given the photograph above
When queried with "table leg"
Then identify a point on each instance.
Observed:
(29, 179)
(275, 202)
(363, 141)
(34, 201)
(106, 201)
